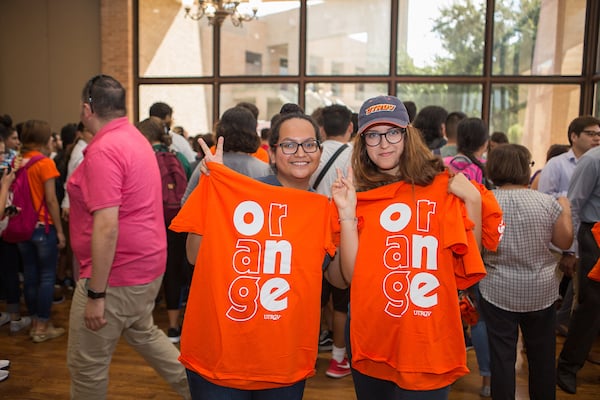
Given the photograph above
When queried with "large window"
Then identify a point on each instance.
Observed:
(524, 66)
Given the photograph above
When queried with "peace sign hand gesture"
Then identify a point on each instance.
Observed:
(209, 156)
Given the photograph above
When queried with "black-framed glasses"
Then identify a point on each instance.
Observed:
(393, 136)
(591, 133)
(289, 147)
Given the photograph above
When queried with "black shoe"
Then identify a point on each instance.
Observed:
(174, 335)
(566, 381)
(325, 341)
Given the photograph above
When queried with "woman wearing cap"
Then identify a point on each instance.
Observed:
(419, 230)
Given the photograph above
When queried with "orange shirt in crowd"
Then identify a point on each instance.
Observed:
(416, 250)
(252, 316)
(261, 153)
(38, 174)
(594, 273)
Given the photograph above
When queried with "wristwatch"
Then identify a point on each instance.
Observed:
(94, 295)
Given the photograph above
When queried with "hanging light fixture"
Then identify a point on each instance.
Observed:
(217, 11)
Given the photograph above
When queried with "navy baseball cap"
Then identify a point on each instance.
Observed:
(382, 110)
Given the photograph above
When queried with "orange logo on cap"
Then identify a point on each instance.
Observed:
(380, 107)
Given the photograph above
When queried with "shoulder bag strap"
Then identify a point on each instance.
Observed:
(328, 165)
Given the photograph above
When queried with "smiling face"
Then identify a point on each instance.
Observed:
(295, 170)
(385, 156)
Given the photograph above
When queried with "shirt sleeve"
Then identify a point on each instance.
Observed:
(549, 179)
(581, 187)
(105, 185)
(492, 222)
(192, 216)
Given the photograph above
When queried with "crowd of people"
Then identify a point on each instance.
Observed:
(345, 224)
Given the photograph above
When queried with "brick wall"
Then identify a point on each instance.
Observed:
(116, 32)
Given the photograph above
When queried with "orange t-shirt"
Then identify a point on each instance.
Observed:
(252, 316)
(594, 273)
(38, 174)
(416, 249)
(261, 153)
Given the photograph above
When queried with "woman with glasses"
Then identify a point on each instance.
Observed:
(251, 327)
(409, 241)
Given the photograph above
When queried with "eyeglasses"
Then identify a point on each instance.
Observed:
(592, 133)
(393, 136)
(310, 146)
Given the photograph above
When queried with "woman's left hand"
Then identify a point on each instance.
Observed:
(460, 186)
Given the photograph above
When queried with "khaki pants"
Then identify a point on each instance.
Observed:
(128, 311)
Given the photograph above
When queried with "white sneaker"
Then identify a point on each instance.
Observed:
(3, 375)
(20, 324)
(4, 318)
(4, 364)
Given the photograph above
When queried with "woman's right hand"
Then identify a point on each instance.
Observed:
(343, 193)
(209, 156)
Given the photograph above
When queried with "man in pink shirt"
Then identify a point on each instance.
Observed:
(118, 236)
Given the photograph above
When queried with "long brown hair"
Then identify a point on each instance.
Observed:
(417, 164)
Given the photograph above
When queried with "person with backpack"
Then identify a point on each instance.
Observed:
(472, 137)
(174, 182)
(34, 229)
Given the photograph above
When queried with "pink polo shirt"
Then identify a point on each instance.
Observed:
(119, 168)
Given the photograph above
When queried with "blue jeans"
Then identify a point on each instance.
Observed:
(479, 336)
(11, 262)
(40, 256)
(369, 388)
(201, 389)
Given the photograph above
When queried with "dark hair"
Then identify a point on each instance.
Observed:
(429, 122)
(471, 135)
(556, 150)
(288, 108)
(579, 124)
(6, 120)
(160, 110)
(317, 115)
(208, 138)
(265, 133)
(452, 123)
(250, 107)
(499, 137)
(238, 128)
(68, 134)
(106, 96)
(274, 138)
(36, 134)
(354, 124)
(417, 165)
(509, 164)
(411, 109)
(5, 132)
(336, 119)
(153, 130)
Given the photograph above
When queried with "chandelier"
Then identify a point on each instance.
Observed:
(217, 11)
